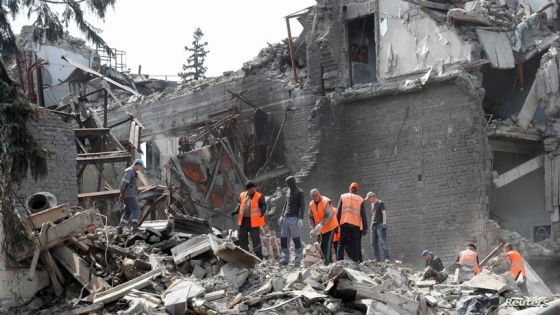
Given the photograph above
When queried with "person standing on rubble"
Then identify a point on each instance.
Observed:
(378, 226)
(322, 221)
(516, 267)
(291, 222)
(129, 196)
(351, 215)
(469, 258)
(250, 210)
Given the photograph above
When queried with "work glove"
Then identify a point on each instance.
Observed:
(364, 232)
(316, 230)
(520, 279)
(234, 213)
(280, 220)
(300, 223)
(384, 226)
(121, 197)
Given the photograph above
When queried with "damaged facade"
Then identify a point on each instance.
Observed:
(446, 109)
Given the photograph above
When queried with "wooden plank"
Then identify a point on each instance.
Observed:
(79, 268)
(518, 172)
(109, 193)
(82, 132)
(53, 215)
(497, 47)
(112, 158)
(92, 154)
(70, 227)
(492, 253)
(118, 292)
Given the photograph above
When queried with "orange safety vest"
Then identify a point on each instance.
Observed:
(336, 235)
(319, 214)
(516, 264)
(256, 219)
(469, 258)
(351, 204)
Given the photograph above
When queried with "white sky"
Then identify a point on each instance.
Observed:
(154, 33)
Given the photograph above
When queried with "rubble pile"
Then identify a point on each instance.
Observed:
(183, 265)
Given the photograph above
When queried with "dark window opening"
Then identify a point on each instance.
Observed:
(361, 49)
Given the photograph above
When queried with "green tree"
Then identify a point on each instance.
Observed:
(20, 154)
(195, 69)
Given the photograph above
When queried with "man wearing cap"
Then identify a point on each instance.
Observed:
(468, 259)
(129, 196)
(351, 215)
(322, 221)
(434, 267)
(251, 210)
(378, 226)
(291, 222)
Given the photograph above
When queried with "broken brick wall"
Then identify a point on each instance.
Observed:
(57, 137)
(424, 154)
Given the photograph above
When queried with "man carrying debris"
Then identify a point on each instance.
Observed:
(129, 196)
(351, 215)
(434, 267)
(251, 210)
(468, 258)
(378, 226)
(516, 267)
(291, 222)
(322, 221)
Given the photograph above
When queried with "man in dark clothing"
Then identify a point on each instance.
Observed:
(432, 261)
(351, 215)
(129, 196)
(291, 222)
(378, 226)
(434, 267)
(251, 211)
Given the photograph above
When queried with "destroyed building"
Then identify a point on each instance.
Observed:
(440, 107)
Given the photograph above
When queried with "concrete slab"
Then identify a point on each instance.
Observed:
(195, 246)
(232, 253)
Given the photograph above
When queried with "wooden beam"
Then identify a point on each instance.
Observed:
(53, 215)
(109, 158)
(79, 268)
(118, 292)
(492, 253)
(528, 110)
(82, 132)
(109, 193)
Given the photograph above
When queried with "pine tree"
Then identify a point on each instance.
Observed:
(20, 154)
(195, 69)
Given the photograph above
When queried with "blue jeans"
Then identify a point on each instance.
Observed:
(131, 209)
(379, 235)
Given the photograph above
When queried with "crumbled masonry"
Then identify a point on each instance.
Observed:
(448, 110)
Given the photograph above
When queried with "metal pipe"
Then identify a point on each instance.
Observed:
(291, 47)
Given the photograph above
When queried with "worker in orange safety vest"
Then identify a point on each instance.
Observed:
(322, 221)
(469, 258)
(516, 266)
(351, 215)
(250, 217)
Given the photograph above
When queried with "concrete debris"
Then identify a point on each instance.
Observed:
(178, 294)
(236, 276)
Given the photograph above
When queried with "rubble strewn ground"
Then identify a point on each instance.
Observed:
(162, 270)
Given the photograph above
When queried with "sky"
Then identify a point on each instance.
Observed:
(154, 33)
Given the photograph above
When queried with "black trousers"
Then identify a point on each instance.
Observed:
(245, 230)
(326, 246)
(350, 238)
